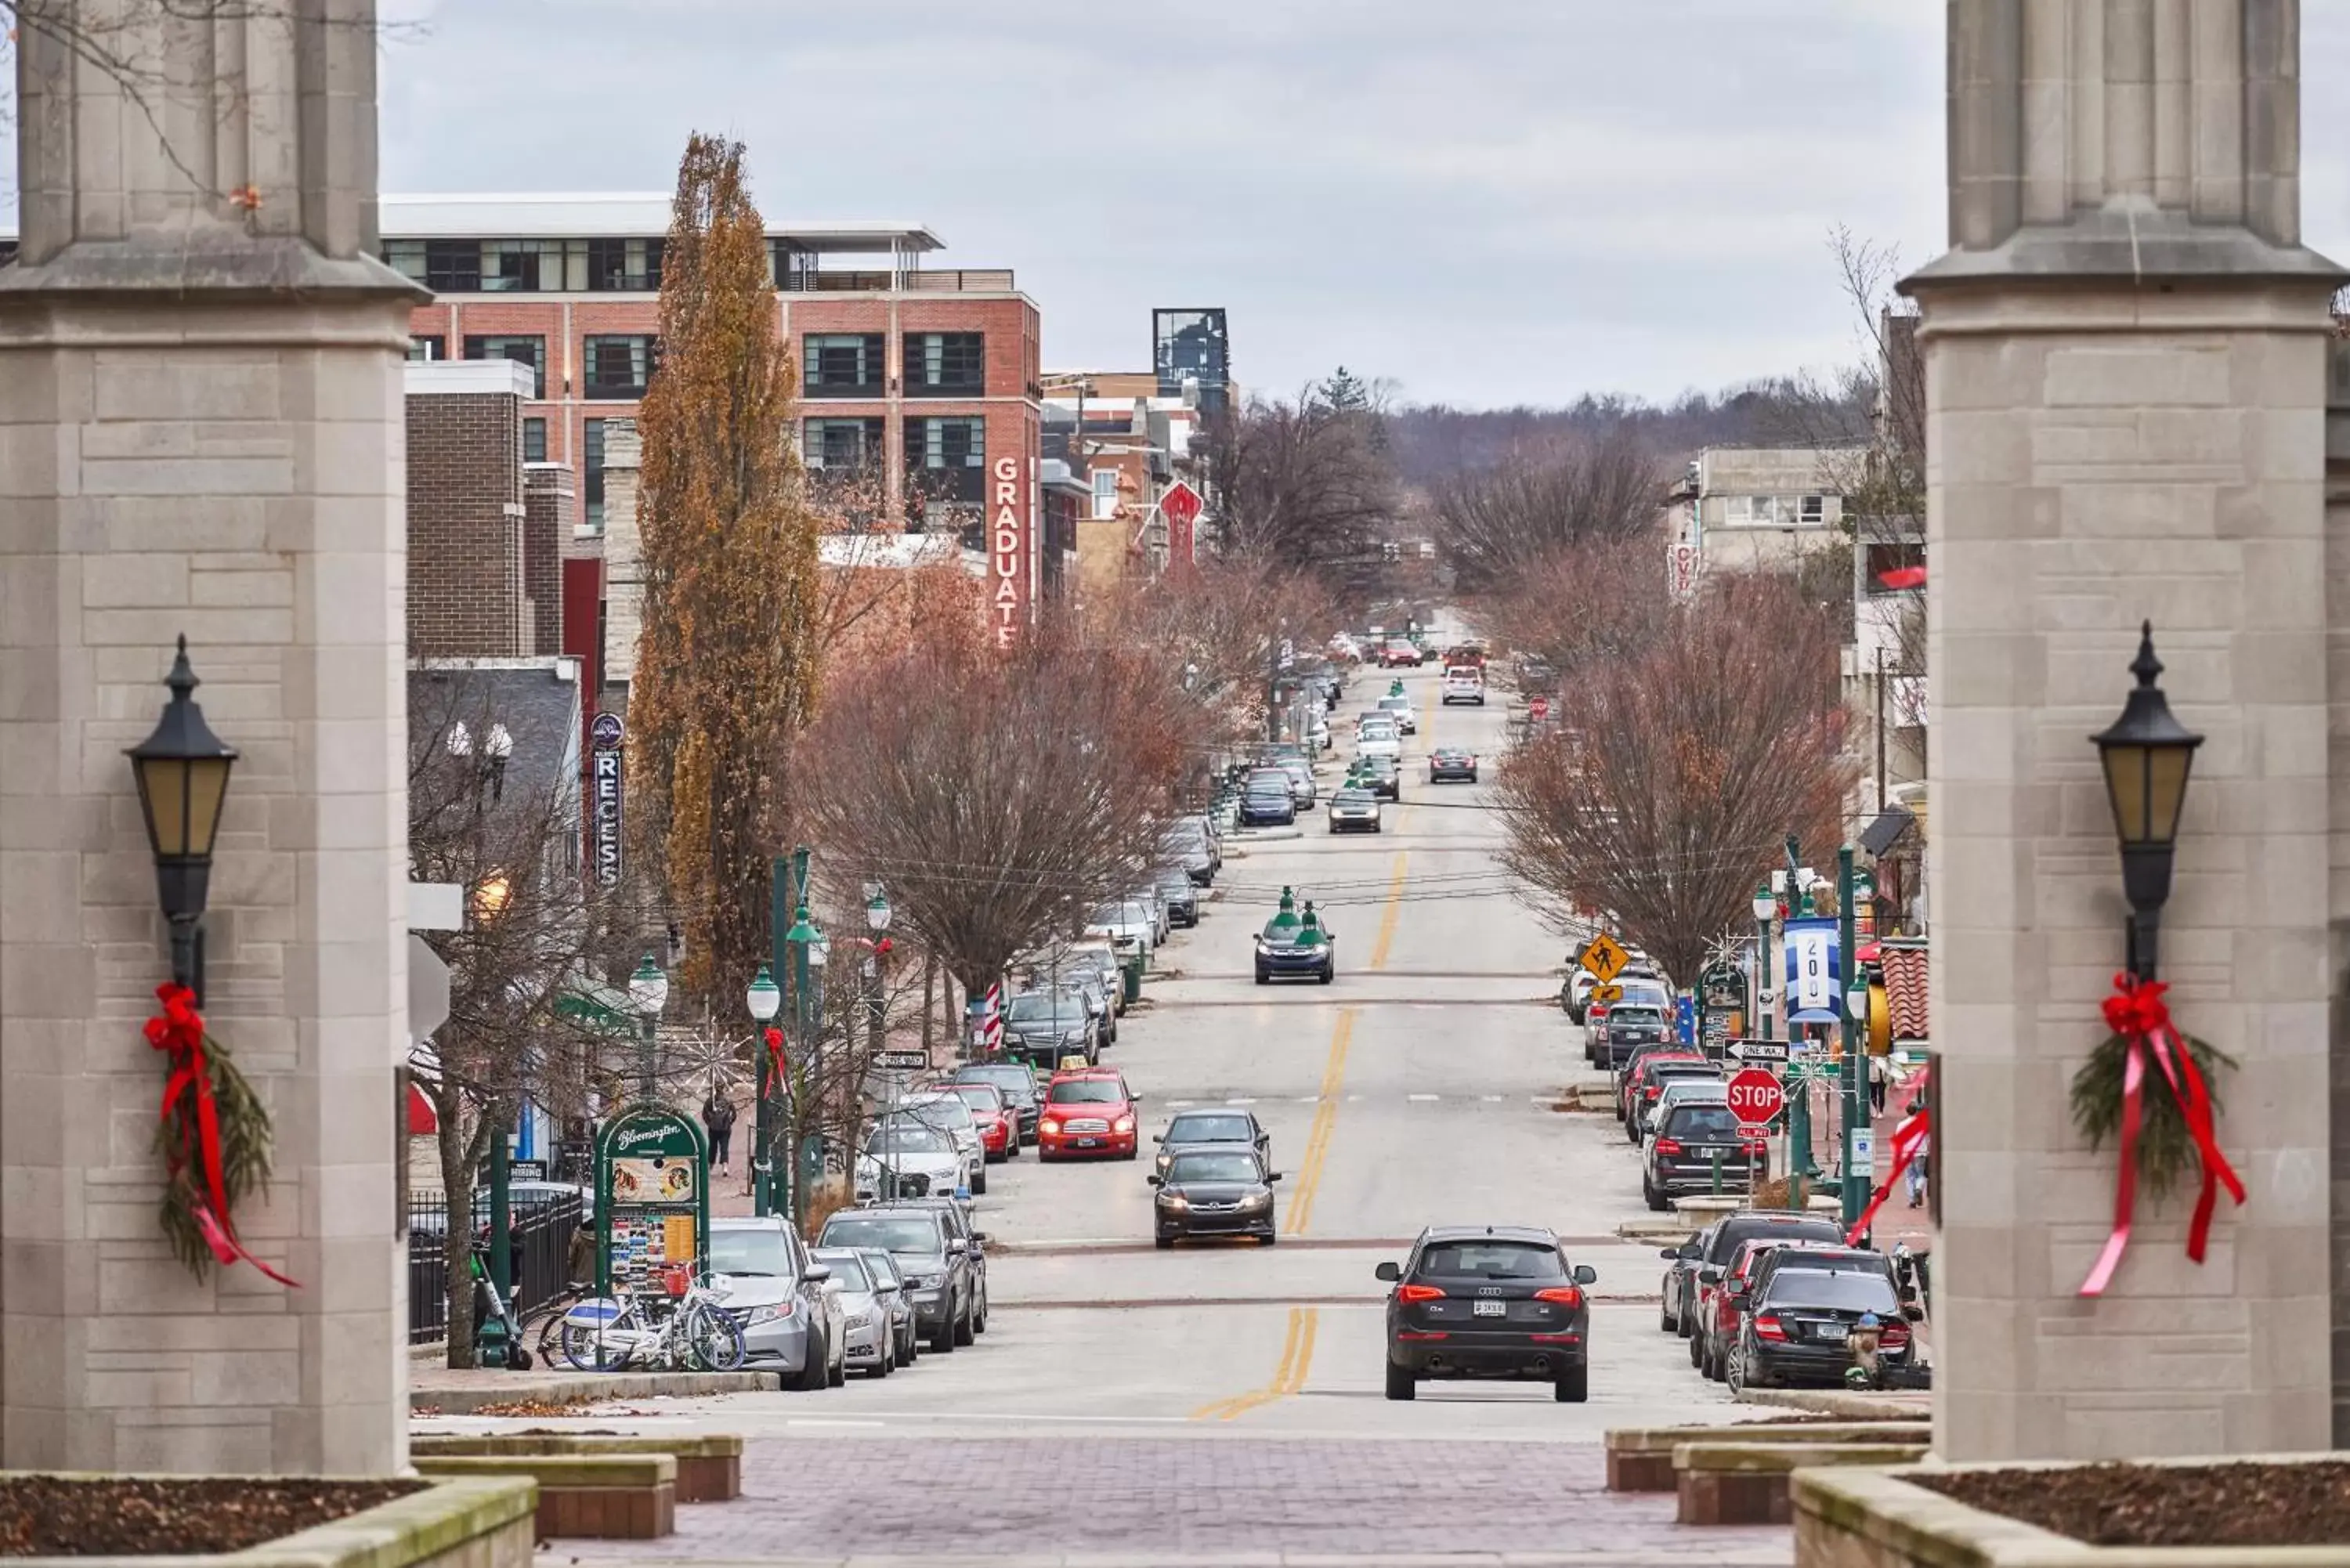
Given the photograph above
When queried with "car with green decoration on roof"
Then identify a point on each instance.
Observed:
(1296, 946)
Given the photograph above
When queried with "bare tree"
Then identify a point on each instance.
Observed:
(1218, 627)
(998, 795)
(491, 811)
(1495, 523)
(1664, 790)
(1308, 483)
(1584, 606)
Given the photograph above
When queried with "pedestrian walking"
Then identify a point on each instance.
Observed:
(1917, 1172)
(1879, 1072)
(717, 1121)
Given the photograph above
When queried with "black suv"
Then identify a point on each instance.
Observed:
(1683, 1155)
(1628, 1027)
(1713, 1247)
(1498, 1302)
(1801, 1304)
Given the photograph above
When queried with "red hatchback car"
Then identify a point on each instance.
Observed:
(1087, 1113)
(999, 1128)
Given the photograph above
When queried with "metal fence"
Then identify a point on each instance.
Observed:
(544, 1224)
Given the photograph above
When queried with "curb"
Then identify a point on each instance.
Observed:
(1270, 835)
(1853, 1407)
(592, 1388)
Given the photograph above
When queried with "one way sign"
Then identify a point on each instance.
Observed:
(1759, 1050)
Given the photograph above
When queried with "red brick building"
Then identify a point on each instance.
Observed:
(927, 378)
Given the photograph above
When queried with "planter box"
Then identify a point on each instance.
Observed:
(1746, 1483)
(709, 1464)
(624, 1497)
(1641, 1458)
(1877, 1519)
(484, 1522)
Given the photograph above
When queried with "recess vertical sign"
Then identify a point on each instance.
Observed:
(605, 735)
(1007, 549)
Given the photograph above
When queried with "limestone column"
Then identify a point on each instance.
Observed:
(200, 433)
(2126, 353)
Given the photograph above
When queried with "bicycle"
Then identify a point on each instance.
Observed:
(546, 1319)
(611, 1333)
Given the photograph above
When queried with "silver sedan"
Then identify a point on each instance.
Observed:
(872, 1341)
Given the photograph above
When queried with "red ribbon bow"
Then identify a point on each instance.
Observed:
(1910, 1135)
(774, 1038)
(2136, 1011)
(188, 1100)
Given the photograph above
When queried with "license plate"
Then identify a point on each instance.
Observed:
(1492, 1309)
(1828, 1331)
(1087, 1142)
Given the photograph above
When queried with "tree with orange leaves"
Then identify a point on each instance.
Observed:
(726, 663)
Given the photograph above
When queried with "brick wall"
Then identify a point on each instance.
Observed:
(550, 507)
(467, 595)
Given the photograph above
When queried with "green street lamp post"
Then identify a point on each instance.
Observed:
(648, 994)
(809, 950)
(765, 1000)
(1853, 1028)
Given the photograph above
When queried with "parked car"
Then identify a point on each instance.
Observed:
(1718, 1243)
(1301, 780)
(1802, 1305)
(1087, 1113)
(1016, 1081)
(1099, 1004)
(1463, 684)
(1219, 1125)
(938, 1266)
(1575, 996)
(1043, 1027)
(1155, 907)
(1213, 1191)
(1623, 1028)
(1499, 1301)
(1722, 1297)
(999, 1125)
(776, 1292)
(944, 1109)
(890, 1280)
(1182, 898)
(1665, 1067)
(954, 1213)
(1694, 1146)
(1127, 923)
(1691, 1088)
(922, 1158)
(870, 1338)
(1268, 802)
(1190, 847)
(1354, 810)
(1451, 762)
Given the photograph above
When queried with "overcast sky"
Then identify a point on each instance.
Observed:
(1487, 201)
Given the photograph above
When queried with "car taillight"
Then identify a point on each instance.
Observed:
(1654, 1090)
(1564, 1295)
(1769, 1327)
(1418, 1293)
(1894, 1333)
(1597, 1010)
(1669, 1145)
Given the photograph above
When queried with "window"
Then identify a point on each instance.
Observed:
(619, 366)
(533, 439)
(1814, 512)
(425, 349)
(835, 444)
(1104, 492)
(1758, 511)
(530, 352)
(624, 265)
(594, 468)
(842, 364)
(943, 364)
(522, 266)
(948, 458)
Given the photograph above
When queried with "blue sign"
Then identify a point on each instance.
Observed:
(1814, 969)
(1685, 1017)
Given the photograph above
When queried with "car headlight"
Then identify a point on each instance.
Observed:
(775, 1313)
(1015, 1039)
(1123, 1124)
(1173, 1201)
(1261, 1200)
(860, 1320)
(1048, 1125)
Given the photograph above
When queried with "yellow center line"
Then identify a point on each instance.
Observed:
(1393, 913)
(1317, 1140)
(1288, 1376)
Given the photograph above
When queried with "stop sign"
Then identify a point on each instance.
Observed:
(1755, 1096)
(1539, 709)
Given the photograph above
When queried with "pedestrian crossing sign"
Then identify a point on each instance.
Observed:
(1605, 957)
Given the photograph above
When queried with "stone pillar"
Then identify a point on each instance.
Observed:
(200, 433)
(2126, 355)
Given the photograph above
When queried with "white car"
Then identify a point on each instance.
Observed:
(950, 1114)
(1126, 923)
(1400, 708)
(1378, 740)
(1464, 685)
(914, 1149)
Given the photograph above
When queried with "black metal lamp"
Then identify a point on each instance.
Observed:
(182, 772)
(2147, 756)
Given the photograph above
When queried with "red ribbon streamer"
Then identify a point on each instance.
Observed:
(188, 1100)
(1908, 1136)
(2136, 1011)
(774, 1038)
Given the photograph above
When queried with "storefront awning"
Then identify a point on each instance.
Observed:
(1905, 991)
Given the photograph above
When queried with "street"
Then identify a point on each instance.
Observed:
(1226, 1398)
